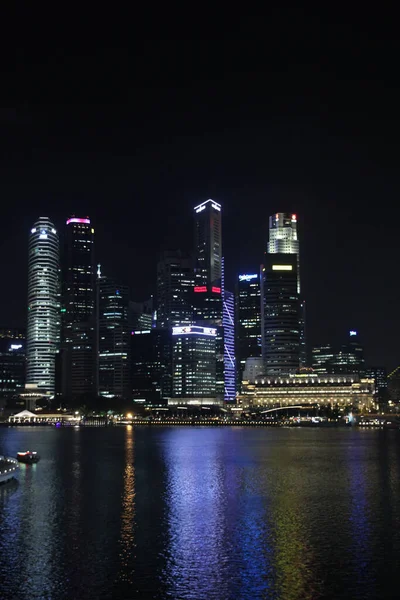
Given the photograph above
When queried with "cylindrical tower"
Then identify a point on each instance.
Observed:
(43, 329)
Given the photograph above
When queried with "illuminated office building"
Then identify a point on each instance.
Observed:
(393, 381)
(114, 339)
(12, 362)
(280, 314)
(379, 375)
(78, 355)
(208, 290)
(43, 328)
(350, 357)
(141, 315)
(175, 283)
(248, 311)
(322, 358)
(228, 325)
(283, 239)
(151, 366)
(208, 244)
(193, 365)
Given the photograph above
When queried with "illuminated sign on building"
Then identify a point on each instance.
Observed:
(75, 220)
(294, 218)
(15, 346)
(202, 206)
(248, 277)
(282, 267)
(200, 288)
(216, 290)
(353, 332)
(194, 330)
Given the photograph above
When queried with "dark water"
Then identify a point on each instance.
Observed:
(201, 513)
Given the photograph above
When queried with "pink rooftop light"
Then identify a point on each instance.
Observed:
(75, 220)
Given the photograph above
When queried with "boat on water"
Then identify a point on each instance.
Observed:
(28, 457)
(8, 468)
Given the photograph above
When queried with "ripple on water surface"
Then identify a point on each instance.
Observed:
(224, 513)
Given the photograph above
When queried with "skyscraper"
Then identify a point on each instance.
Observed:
(248, 321)
(12, 362)
(151, 365)
(322, 358)
(43, 328)
(283, 239)
(208, 280)
(175, 282)
(228, 324)
(208, 244)
(78, 309)
(114, 339)
(141, 315)
(193, 357)
(350, 357)
(281, 314)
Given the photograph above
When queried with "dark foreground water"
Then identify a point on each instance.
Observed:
(201, 513)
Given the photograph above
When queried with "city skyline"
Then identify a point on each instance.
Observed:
(336, 336)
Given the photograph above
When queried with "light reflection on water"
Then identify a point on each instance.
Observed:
(127, 550)
(201, 513)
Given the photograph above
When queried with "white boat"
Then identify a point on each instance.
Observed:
(8, 468)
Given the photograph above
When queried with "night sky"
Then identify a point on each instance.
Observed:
(290, 112)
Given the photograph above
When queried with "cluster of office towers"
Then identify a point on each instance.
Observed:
(85, 336)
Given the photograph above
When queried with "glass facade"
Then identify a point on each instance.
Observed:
(78, 355)
(141, 315)
(283, 239)
(280, 314)
(248, 313)
(114, 339)
(193, 362)
(228, 323)
(12, 363)
(349, 358)
(151, 365)
(43, 323)
(175, 282)
(208, 244)
(208, 289)
(321, 358)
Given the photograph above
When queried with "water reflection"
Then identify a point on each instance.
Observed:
(196, 498)
(127, 536)
(201, 513)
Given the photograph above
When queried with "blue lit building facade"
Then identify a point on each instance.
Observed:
(228, 324)
(193, 365)
(228, 340)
